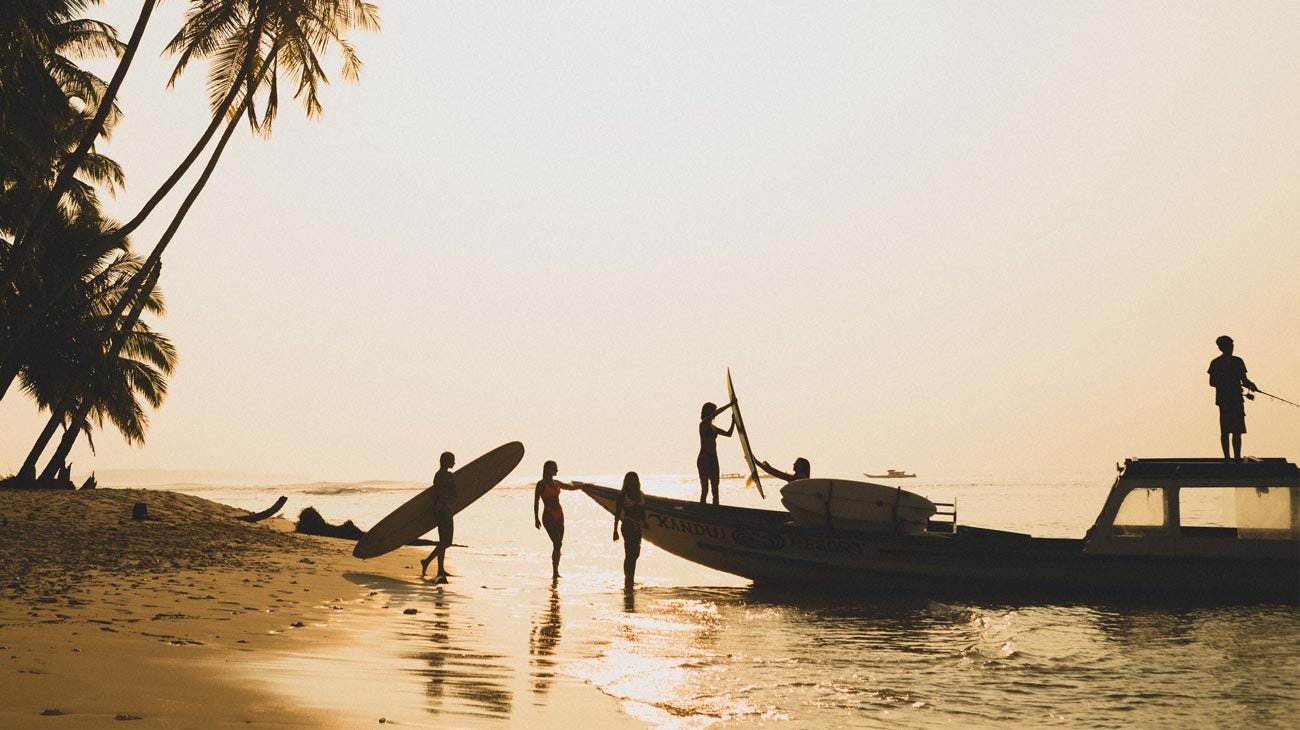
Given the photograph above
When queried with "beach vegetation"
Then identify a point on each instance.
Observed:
(72, 293)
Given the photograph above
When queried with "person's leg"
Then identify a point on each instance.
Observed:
(556, 532)
(1236, 446)
(424, 564)
(704, 486)
(631, 551)
(445, 533)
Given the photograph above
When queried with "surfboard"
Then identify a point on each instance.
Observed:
(850, 505)
(744, 439)
(415, 517)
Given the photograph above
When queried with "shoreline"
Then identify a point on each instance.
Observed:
(194, 618)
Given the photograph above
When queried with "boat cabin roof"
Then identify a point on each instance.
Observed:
(1182, 473)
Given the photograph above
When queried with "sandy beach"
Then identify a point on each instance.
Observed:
(182, 619)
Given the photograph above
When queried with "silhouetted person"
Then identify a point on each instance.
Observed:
(548, 494)
(630, 507)
(444, 493)
(707, 461)
(1227, 376)
(802, 470)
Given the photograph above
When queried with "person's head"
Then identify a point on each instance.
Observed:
(447, 460)
(708, 411)
(802, 469)
(549, 469)
(631, 483)
(1225, 344)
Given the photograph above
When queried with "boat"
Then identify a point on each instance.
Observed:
(890, 474)
(1139, 546)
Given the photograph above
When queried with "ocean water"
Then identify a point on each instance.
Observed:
(690, 647)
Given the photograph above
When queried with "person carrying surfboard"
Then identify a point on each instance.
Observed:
(630, 507)
(802, 470)
(707, 461)
(552, 518)
(444, 490)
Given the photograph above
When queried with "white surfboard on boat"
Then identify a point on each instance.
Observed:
(849, 505)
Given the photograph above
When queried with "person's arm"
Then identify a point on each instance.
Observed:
(775, 473)
(730, 428)
(1245, 380)
(565, 485)
(537, 497)
(618, 512)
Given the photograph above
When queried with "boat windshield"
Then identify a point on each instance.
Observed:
(1142, 508)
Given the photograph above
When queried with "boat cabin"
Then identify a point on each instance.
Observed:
(1201, 507)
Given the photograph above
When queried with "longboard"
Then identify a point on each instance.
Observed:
(415, 517)
(744, 439)
(850, 505)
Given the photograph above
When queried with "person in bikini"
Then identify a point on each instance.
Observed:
(444, 494)
(630, 507)
(552, 515)
(707, 462)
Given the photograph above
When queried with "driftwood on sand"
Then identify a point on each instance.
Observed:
(259, 516)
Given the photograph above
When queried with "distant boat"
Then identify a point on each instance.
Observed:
(732, 475)
(890, 474)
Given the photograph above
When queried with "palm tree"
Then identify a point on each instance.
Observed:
(98, 126)
(45, 104)
(67, 358)
(249, 41)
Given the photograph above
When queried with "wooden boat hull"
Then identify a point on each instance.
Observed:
(764, 546)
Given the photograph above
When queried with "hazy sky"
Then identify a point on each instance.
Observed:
(937, 236)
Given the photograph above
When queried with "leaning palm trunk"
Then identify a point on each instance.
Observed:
(28, 470)
(78, 420)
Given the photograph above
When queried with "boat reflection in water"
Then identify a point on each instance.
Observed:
(1152, 539)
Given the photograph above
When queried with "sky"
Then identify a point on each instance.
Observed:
(945, 237)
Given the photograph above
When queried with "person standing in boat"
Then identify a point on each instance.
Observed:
(444, 493)
(552, 517)
(707, 461)
(802, 470)
(630, 507)
(1227, 376)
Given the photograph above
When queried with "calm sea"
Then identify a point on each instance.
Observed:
(691, 647)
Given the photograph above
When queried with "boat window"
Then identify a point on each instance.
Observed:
(1142, 508)
(1267, 514)
(1255, 513)
(1207, 507)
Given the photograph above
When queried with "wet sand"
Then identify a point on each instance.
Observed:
(196, 619)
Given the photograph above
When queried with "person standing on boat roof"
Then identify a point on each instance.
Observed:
(444, 493)
(1227, 376)
(802, 470)
(548, 494)
(707, 462)
(630, 507)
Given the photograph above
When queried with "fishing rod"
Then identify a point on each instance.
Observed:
(1274, 397)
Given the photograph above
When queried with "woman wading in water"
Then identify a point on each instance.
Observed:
(631, 508)
(552, 517)
(707, 461)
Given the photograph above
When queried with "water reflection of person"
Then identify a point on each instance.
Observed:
(707, 461)
(542, 643)
(802, 470)
(552, 518)
(444, 493)
(1227, 376)
(630, 507)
